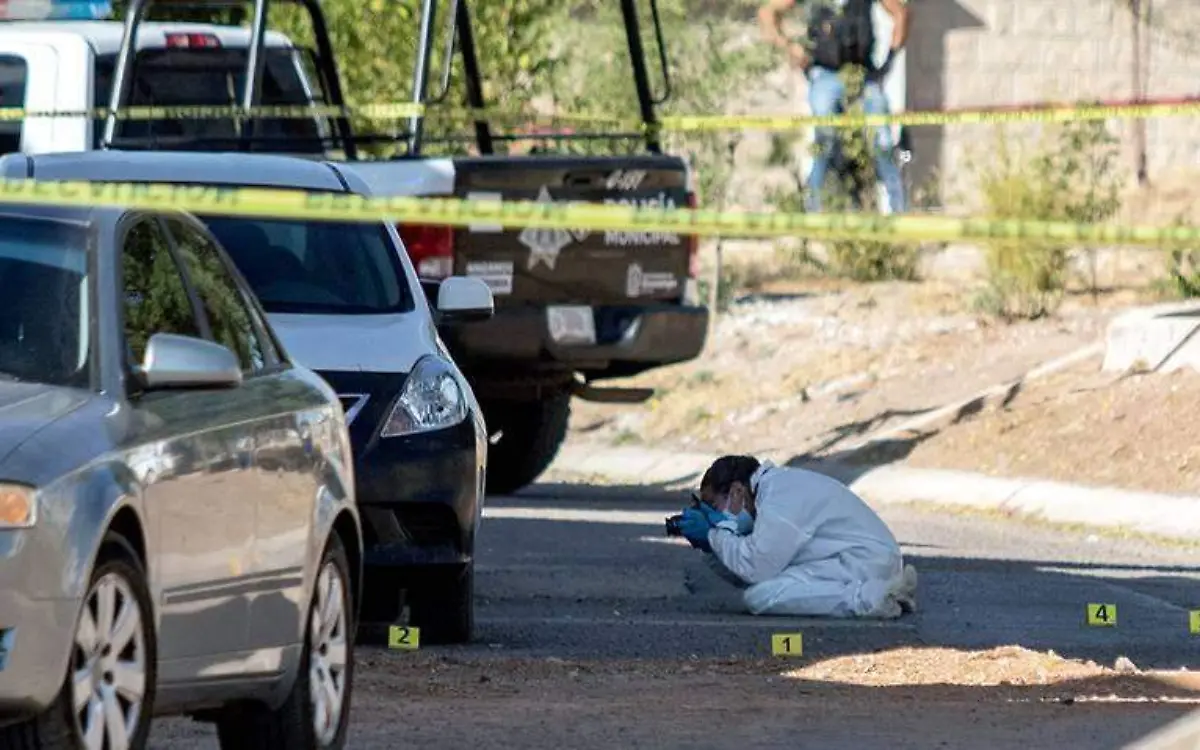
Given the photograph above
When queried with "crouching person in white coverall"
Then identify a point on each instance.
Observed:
(798, 543)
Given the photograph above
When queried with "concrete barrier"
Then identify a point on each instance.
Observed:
(1161, 338)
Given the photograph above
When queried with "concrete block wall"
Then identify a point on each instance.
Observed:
(971, 53)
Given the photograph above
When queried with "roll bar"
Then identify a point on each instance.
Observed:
(462, 30)
(460, 36)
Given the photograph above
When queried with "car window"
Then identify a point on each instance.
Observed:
(211, 76)
(156, 300)
(13, 75)
(228, 315)
(44, 311)
(316, 267)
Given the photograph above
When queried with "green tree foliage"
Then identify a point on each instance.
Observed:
(566, 58)
(375, 42)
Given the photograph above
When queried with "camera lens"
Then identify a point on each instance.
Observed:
(672, 524)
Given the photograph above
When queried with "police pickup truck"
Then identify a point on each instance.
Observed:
(573, 308)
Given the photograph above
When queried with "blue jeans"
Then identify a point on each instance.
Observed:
(825, 92)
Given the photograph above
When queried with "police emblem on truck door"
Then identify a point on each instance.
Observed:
(545, 244)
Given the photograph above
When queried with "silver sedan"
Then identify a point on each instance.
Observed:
(178, 532)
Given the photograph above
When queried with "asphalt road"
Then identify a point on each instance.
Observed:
(578, 571)
(585, 574)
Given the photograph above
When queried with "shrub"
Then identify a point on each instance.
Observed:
(1072, 177)
(1183, 271)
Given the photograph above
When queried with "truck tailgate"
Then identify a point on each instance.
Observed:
(581, 267)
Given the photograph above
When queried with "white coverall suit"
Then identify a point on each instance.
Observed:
(816, 549)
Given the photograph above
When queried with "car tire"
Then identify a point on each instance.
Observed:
(532, 433)
(443, 606)
(294, 723)
(118, 574)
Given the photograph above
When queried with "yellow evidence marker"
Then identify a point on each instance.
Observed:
(1102, 615)
(403, 637)
(1194, 622)
(787, 644)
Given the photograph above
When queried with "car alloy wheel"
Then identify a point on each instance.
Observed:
(328, 654)
(108, 684)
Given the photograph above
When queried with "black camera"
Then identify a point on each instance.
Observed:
(672, 523)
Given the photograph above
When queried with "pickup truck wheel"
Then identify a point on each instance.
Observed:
(532, 431)
(443, 606)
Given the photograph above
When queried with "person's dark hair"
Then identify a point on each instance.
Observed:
(726, 470)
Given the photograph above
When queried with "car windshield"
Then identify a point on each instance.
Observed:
(44, 311)
(316, 267)
(212, 77)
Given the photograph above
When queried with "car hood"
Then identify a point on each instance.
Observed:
(349, 343)
(27, 408)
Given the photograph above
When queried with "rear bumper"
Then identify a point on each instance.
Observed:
(629, 339)
(420, 497)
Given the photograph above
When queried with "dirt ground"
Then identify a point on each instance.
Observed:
(812, 370)
(1078, 426)
(1004, 698)
(1007, 697)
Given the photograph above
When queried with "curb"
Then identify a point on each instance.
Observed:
(1161, 515)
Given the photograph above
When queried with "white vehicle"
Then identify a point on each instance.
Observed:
(68, 66)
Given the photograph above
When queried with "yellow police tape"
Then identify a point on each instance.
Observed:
(206, 112)
(296, 204)
(961, 117)
(680, 123)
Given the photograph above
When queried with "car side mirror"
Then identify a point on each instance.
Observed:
(464, 298)
(174, 361)
(430, 287)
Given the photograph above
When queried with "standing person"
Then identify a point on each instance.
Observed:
(841, 33)
(798, 543)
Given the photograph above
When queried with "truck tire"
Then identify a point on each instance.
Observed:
(532, 431)
(443, 606)
(119, 575)
(328, 640)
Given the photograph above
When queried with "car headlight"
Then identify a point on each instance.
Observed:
(18, 507)
(430, 400)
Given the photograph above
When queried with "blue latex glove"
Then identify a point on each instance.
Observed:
(695, 527)
(713, 515)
